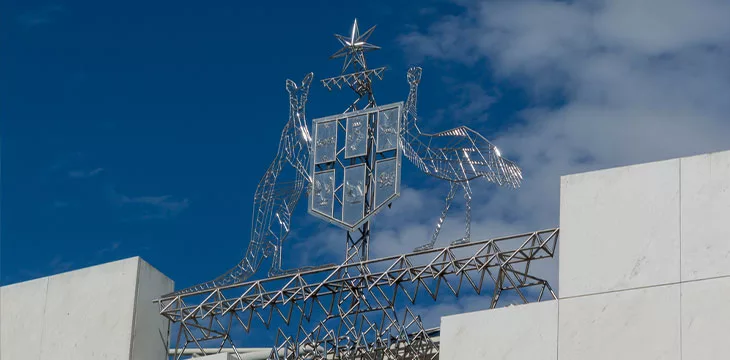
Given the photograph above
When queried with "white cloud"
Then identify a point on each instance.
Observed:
(82, 174)
(611, 83)
(40, 16)
(637, 81)
(148, 207)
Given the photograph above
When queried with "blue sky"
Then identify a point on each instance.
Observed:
(142, 128)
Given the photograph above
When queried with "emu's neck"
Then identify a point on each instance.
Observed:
(410, 115)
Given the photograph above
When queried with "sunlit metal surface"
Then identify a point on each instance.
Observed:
(276, 196)
(351, 164)
(458, 155)
(340, 312)
(360, 146)
(357, 165)
(354, 48)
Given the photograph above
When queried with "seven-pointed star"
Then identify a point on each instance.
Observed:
(354, 47)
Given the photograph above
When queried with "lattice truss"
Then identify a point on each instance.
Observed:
(277, 194)
(456, 155)
(353, 80)
(361, 310)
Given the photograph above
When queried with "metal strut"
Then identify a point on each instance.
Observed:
(442, 218)
(457, 155)
(276, 197)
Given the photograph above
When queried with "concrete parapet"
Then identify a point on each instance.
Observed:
(100, 312)
(619, 229)
(511, 333)
(644, 271)
(705, 225)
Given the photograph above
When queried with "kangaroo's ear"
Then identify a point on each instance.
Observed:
(291, 87)
(307, 80)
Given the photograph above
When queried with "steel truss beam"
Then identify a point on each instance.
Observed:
(352, 80)
(343, 312)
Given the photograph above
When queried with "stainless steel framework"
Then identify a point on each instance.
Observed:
(339, 312)
(277, 194)
(458, 156)
(349, 186)
(359, 309)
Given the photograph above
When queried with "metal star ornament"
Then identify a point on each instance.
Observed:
(353, 48)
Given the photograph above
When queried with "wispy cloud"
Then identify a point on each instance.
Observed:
(402, 228)
(58, 264)
(611, 83)
(66, 161)
(60, 204)
(82, 174)
(39, 16)
(104, 254)
(114, 246)
(470, 106)
(149, 207)
(76, 167)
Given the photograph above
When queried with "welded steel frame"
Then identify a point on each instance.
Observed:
(360, 81)
(458, 156)
(344, 295)
(369, 158)
(276, 195)
(360, 308)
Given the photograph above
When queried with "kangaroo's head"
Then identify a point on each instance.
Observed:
(297, 100)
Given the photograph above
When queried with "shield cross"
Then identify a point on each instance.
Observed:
(356, 165)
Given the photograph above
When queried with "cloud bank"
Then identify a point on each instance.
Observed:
(610, 83)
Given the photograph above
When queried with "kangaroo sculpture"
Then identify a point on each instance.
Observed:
(276, 197)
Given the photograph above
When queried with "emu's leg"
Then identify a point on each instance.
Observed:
(274, 251)
(449, 198)
(467, 198)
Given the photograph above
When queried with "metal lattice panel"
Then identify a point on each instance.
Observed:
(360, 302)
(353, 79)
(458, 156)
(360, 309)
(277, 194)
(357, 165)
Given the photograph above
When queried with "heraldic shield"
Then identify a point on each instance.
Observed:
(356, 164)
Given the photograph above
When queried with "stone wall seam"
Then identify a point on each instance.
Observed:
(134, 309)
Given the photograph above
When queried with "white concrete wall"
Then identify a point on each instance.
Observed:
(100, 312)
(632, 324)
(22, 308)
(150, 335)
(511, 333)
(644, 271)
(705, 223)
(222, 356)
(619, 229)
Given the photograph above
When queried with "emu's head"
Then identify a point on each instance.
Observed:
(414, 75)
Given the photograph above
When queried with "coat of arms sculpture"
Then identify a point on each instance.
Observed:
(349, 167)
(357, 165)
(350, 163)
